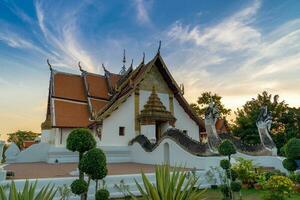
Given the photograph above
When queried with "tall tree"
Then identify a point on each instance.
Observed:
(245, 122)
(203, 102)
(20, 136)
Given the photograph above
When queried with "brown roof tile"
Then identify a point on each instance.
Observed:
(69, 86)
(97, 86)
(114, 79)
(98, 104)
(71, 114)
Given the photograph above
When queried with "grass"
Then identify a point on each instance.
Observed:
(250, 194)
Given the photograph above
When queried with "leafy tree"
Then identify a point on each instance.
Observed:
(80, 140)
(93, 163)
(20, 136)
(203, 102)
(245, 122)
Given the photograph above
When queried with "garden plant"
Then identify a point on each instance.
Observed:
(28, 192)
(171, 184)
(80, 140)
(231, 185)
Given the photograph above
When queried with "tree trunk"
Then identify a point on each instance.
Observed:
(81, 174)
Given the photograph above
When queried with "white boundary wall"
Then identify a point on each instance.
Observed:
(169, 152)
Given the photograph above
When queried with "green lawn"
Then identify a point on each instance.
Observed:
(250, 194)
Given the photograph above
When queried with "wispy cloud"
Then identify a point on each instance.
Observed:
(141, 11)
(233, 57)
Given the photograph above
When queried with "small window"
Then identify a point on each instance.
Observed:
(121, 131)
(184, 132)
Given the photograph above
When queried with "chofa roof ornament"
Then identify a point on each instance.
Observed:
(159, 46)
(50, 66)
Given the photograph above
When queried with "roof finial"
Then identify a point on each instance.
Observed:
(80, 67)
(159, 45)
(143, 61)
(124, 58)
(50, 67)
(131, 63)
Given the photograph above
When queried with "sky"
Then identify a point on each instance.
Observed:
(235, 48)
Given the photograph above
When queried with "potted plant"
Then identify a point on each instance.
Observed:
(260, 181)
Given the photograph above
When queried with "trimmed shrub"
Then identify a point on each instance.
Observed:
(93, 163)
(102, 194)
(282, 150)
(236, 186)
(225, 164)
(297, 178)
(234, 174)
(226, 148)
(289, 164)
(292, 149)
(79, 187)
(225, 191)
(81, 140)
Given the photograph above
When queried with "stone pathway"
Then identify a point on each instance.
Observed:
(46, 170)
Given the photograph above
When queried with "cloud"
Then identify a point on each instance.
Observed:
(141, 12)
(235, 59)
(233, 34)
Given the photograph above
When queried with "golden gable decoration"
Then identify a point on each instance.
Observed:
(154, 110)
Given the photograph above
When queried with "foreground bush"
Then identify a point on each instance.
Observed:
(79, 187)
(292, 149)
(28, 192)
(102, 194)
(170, 185)
(280, 187)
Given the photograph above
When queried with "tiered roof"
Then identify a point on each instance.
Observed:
(86, 99)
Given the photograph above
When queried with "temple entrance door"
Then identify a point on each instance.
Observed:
(157, 130)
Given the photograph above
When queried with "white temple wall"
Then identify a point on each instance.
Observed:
(149, 131)
(144, 96)
(122, 117)
(48, 136)
(184, 122)
(61, 135)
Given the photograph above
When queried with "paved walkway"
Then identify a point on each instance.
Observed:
(46, 170)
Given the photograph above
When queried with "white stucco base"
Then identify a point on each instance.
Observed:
(110, 181)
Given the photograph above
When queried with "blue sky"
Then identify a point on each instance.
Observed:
(236, 48)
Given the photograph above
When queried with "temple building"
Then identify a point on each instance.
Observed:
(119, 106)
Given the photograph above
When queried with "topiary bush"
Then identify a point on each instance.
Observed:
(93, 163)
(289, 164)
(81, 140)
(292, 149)
(225, 164)
(236, 186)
(226, 148)
(234, 174)
(102, 194)
(79, 187)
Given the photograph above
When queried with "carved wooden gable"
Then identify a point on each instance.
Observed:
(154, 78)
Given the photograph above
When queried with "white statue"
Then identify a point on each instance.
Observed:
(211, 116)
(264, 123)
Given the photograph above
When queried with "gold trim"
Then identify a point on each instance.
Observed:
(171, 103)
(136, 111)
